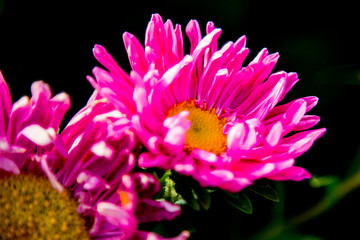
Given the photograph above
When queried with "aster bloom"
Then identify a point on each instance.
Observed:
(206, 114)
(73, 186)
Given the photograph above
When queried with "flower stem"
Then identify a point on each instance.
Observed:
(339, 191)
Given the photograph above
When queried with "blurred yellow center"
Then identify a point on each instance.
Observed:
(32, 209)
(206, 131)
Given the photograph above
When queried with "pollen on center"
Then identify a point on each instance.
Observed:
(206, 131)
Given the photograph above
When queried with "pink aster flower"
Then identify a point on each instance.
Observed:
(206, 114)
(79, 185)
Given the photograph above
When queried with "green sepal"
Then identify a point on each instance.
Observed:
(240, 201)
(323, 181)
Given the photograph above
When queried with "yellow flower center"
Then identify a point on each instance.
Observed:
(32, 209)
(206, 131)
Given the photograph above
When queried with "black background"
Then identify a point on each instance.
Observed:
(320, 41)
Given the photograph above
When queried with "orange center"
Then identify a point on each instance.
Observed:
(206, 131)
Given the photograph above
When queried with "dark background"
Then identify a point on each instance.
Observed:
(320, 41)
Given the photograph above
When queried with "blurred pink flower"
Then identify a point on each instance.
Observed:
(92, 159)
(99, 170)
(207, 115)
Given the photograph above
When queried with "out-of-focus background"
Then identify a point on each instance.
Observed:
(53, 41)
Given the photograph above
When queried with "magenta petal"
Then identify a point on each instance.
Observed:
(204, 156)
(136, 53)
(141, 235)
(149, 210)
(177, 125)
(186, 165)
(148, 160)
(60, 105)
(51, 176)
(299, 143)
(40, 89)
(146, 185)
(107, 61)
(91, 182)
(236, 184)
(39, 135)
(194, 33)
(275, 134)
(20, 111)
(118, 217)
(5, 106)
(243, 136)
(307, 122)
(294, 173)
(8, 165)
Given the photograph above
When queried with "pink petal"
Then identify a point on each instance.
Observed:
(293, 115)
(8, 165)
(193, 31)
(20, 111)
(306, 122)
(275, 134)
(5, 106)
(294, 173)
(146, 185)
(264, 97)
(299, 143)
(60, 105)
(141, 235)
(171, 54)
(148, 160)
(236, 184)
(107, 61)
(136, 54)
(38, 135)
(204, 155)
(51, 176)
(118, 217)
(149, 210)
(243, 136)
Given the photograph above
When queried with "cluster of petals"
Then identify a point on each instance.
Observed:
(92, 158)
(28, 128)
(263, 136)
(99, 169)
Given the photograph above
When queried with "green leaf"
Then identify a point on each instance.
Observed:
(240, 201)
(203, 197)
(265, 191)
(195, 196)
(192, 199)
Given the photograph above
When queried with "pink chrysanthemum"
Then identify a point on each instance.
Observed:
(206, 115)
(74, 185)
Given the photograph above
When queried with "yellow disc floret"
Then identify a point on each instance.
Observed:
(32, 209)
(206, 131)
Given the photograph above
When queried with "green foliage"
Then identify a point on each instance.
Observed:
(265, 190)
(184, 191)
(240, 201)
(294, 235)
